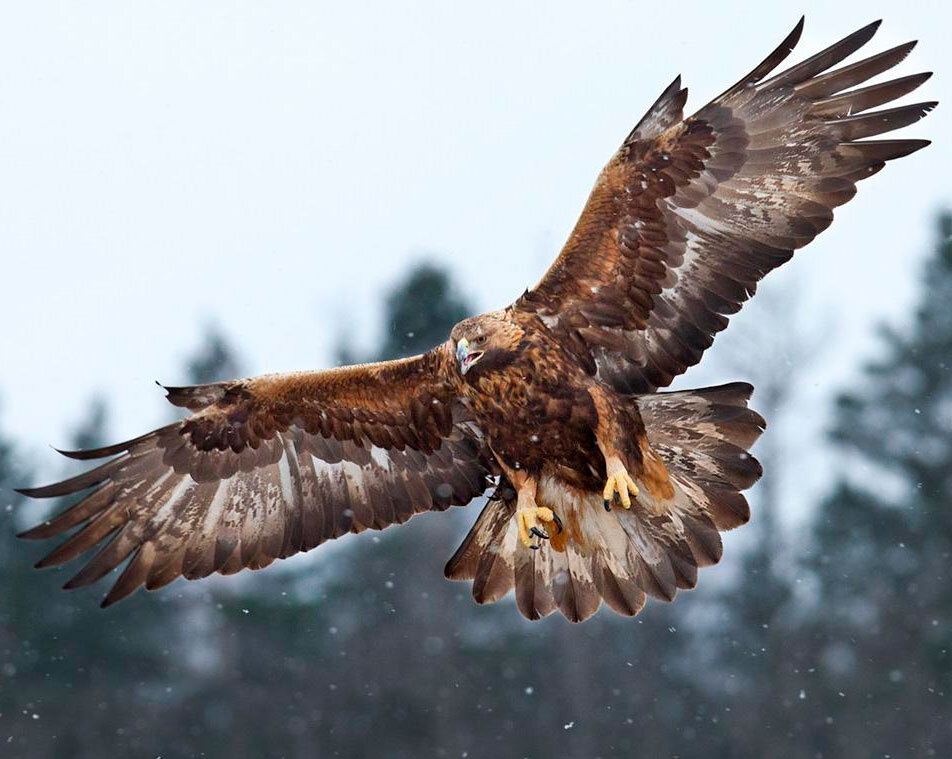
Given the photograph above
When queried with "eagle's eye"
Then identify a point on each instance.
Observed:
(480, 340)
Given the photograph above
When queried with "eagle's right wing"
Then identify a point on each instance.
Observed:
(268, 467)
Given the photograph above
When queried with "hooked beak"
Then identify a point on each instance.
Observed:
(465, 356)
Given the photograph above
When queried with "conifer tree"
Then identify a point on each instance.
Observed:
(884, 537)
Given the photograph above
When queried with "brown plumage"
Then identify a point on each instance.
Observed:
(602, 487)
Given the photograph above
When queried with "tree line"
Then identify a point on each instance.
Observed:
(828, 641)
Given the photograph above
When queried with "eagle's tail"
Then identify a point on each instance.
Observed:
(622, 556)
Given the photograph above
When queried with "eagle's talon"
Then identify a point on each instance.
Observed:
(529, 520)
(558, 523)
(619, 487)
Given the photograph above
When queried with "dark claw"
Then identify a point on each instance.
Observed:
(535, 548)
(607, 504)
(541, 534)
(558, 522)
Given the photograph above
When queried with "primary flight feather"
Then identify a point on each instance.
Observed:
(602, 487)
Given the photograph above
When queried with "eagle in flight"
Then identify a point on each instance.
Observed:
(602, 488)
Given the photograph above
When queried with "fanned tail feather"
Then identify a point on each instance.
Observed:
(623, 556)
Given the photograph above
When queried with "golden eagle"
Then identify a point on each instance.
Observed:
(602, 487)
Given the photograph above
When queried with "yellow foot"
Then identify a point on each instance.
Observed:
(536, 521)
(618, 485)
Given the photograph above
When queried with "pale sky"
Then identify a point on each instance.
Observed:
(275, 166)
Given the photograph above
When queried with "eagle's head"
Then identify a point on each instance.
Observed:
(486, 342)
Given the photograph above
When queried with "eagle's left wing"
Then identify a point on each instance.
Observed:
(690, 214)
(267, 467)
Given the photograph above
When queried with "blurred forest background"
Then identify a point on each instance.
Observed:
(827, 638)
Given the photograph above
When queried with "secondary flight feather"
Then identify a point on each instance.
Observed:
(601, 488)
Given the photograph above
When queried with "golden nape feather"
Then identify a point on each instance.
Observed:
(603, 489)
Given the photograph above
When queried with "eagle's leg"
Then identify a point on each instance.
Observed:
(619, 486)
(530, 517)
(532, 520)
(617, 439)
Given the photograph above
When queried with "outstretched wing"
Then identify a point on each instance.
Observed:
(268, 467)
(690, 214)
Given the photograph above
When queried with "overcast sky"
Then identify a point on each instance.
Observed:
(274, 166)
